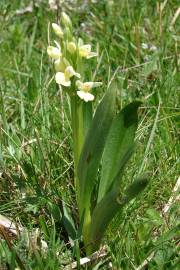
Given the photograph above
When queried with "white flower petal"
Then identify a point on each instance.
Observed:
(96, 84)
(87, 86)
(88, 97)
(61, 79)
(85, 96)
(91, 54)
(81, 94)
(69, 72)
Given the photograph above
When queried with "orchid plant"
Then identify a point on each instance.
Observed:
(103, 142)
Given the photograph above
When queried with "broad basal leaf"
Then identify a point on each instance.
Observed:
(108, 207)
(119, 142)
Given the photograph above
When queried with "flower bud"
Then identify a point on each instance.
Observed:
(71, 47)
(59, 65)
(57, 30)
(66, 20)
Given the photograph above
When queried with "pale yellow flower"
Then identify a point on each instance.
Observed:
(57, 30)
(84, 89)
(54, 52)
(64, 78)
(85, 51)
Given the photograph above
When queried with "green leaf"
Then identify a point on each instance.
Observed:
(108, 207)
(119, 141)
(93, 147)
(68, 222)
(134, 189)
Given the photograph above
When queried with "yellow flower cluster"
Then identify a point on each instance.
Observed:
(66, 56)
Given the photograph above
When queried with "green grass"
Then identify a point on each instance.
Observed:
(36, 170)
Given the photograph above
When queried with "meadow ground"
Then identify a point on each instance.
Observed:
(137, 43)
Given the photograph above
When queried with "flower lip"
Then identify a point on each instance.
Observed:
(85, 96)
(62, 80)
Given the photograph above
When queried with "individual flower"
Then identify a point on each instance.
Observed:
(54, 52)
(153, 48)
(85, 51)
(144, 46)
(63, 78)
(84, 89)
(71, 47)
(57, 30)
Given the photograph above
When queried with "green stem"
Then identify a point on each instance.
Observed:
(78, 135)
(81, 116)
